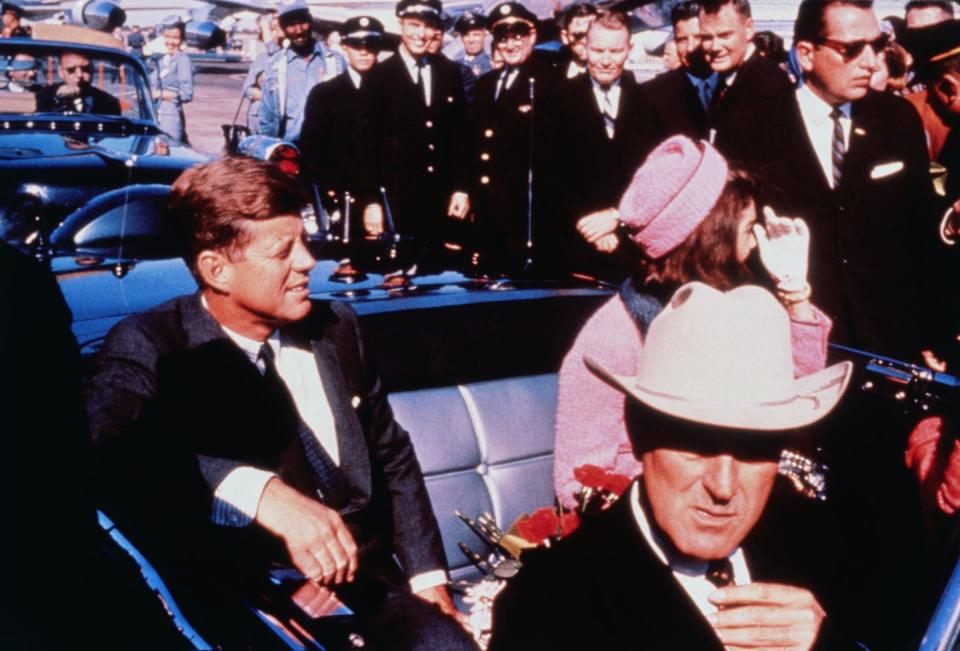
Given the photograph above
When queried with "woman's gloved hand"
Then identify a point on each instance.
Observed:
(784, 247)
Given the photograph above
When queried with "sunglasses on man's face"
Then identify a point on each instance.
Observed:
(851, 50)
(576, 37)
(75, 69)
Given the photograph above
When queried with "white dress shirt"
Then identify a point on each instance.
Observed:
(354, 77)
(608, 101)
(689, 573)
(411, 65)
(819, 125)
(575, 69)
(237, 497)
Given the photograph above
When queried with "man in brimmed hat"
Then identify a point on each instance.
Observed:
(293, 71)
(505, 108)
(334, 123)
(691, 556)
(419, 132)
(472, 29)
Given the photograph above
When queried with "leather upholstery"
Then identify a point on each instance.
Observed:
(484, 446)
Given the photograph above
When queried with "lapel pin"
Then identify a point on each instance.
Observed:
(355, 401)
(859, 131)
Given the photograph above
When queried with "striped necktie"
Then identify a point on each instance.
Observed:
(606, 109)
(331, 484)
(838, 149)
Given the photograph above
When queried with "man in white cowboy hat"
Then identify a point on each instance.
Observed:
(692, 556)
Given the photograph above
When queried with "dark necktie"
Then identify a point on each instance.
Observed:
(421, 84)
(720, 572)
(703, 91)
(502, 82)
(839, 149)
(331, 484)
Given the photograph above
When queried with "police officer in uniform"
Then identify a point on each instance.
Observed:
(293, 71)
(420, 134)
(505, 110)
(335, 125)
(473, 32)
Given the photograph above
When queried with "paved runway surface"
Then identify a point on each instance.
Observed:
(215, 99)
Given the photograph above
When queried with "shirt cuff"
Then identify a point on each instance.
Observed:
(427, 580)
(237, 497)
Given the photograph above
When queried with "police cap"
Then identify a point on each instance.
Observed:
(468, 22)
(424, 9)
(510, 14)
(362, 30)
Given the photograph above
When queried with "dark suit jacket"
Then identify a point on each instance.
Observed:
(583, 170)
(101, 102)
(503, 154)
(604, 588)
(758, 81)
(670, 106)
(335, 128)
(418, 153)
(175, 406)
(864, 252)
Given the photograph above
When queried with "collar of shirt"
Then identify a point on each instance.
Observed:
(354, 77)
(612, 93)
(732, 76)
(689, 573)
(711, 81)
(815, 114)
(411, 65)
(250, 347)
(319, 50)
(574, 69)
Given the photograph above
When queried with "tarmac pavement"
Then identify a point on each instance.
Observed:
(216, 94)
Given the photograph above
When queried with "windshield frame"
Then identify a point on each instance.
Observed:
(39, 49)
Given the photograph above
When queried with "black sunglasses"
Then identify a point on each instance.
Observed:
(576, 37)
(851, 50)
(75, 69)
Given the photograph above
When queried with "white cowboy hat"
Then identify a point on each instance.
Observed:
(726, 359)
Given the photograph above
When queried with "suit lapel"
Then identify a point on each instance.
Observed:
(805, 157)
(354, 454)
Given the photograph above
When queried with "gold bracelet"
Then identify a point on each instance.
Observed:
(792, 298)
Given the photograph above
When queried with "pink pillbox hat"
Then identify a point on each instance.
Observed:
(672, 193)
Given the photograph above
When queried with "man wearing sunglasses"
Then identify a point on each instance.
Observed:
(576, 22)
(74, 93)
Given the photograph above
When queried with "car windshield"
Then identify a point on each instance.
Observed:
(71, 82)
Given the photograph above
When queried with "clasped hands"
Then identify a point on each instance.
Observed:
(766, 616)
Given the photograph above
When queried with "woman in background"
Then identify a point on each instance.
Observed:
(172, 83)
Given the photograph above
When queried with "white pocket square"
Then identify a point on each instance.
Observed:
(886, 169)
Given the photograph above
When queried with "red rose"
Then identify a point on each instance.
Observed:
(616, 484)
(544, 523)
(590, 476)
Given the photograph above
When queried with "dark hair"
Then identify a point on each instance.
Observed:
(179, 26)
(709, 252)
(684, 11)
(770, 45)
(578, 10)
(811, 17)
(895, 56)
(209, 203)
(713, 7)
(944, 5)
